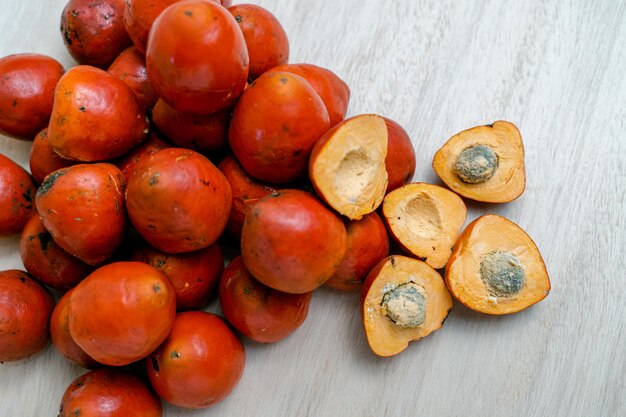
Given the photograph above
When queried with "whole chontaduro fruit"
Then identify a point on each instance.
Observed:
(139, 15)
(265, 37)
(93, 31)
(246, 190)
(128, 163)
(367, 244)
(82, 206)
(259, 312)
(43, 159)
(194, 275)
(108, 392)
(130, 67)
(275, 125)
(199, 364)
(95, 116)
(333, 91)
(45, 260)
(178, 200)
(400, 161)
(196, 57)
(62, 338)
(25, 309)
(24, 112)
(121, 312)
(207, 134)
(291, 242)
(17, 197)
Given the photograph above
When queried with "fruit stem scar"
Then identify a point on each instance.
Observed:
(404, 305)
(476, 164)
(49, 181)
(44, 240)
(155, 364)
(154, 179)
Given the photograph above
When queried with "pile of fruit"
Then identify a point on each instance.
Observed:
(183, 129)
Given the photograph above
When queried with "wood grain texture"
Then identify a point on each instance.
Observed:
(556, 69)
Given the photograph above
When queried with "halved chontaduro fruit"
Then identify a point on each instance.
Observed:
(496, 268)
(347, 165)
(403, 299)
(425, 220)
(484, 163)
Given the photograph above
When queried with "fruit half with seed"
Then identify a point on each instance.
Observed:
(403, 299)
(425, 220)
(485, 163)
(496, 268)
(347, 165)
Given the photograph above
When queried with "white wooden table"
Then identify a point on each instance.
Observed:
(555, 68)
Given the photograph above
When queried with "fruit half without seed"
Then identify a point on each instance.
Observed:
(347, 165)
(425, 220)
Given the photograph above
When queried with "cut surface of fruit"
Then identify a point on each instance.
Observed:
(347, 165)
(484, 163)
(403, 299)
(496, 268)
(425, 220)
